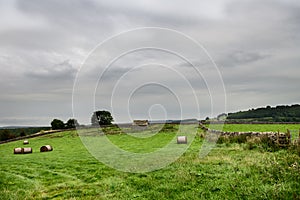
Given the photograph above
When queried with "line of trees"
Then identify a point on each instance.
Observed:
(6, 134)
(102, 117)
(10, 133)
(277, 114)
(59, 124)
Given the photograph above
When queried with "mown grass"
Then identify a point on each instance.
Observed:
(70, 172)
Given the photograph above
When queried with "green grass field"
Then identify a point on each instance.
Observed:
(70, 172)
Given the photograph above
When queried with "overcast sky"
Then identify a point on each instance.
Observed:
(45, 45)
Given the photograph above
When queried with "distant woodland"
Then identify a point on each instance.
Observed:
(10, 133)
(267, 114)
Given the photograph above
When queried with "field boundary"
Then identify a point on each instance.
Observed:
(244, 122)
(281, 139)
(41, 133)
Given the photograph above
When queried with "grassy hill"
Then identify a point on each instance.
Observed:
(268, 114)
(69, 172)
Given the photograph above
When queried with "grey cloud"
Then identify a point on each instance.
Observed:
(61, 71)
(254, 43)
(239, 58)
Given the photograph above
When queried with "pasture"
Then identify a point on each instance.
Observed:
(230, 171)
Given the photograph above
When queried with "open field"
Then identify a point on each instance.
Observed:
(69, 172)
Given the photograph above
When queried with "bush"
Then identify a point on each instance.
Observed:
(268, 144)
(169, 128)
(295, 148)
(252, 143)
(242, 138)
(222, 140)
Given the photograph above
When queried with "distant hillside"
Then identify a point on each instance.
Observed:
(268, 114)
(15, 131)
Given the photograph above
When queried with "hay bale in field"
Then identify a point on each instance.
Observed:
(181, 140)
(27, 150)
(46, 148)
(18, 150)
(25, 142)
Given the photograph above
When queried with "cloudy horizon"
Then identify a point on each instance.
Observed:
(45, 44)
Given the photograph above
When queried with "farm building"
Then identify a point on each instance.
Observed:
(140, 123)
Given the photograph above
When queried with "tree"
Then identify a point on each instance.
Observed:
(222, 116)
(71, 123)
(101, 118)
(57, 124)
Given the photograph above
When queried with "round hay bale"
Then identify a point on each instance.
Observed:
(18, 150)
(27, 150)
(46, 148)
(181, 140)
(25, 142)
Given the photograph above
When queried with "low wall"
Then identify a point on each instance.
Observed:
(282, 139)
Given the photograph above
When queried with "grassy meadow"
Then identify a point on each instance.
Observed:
(230, 171)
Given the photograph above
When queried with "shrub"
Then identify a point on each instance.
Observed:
(252, 143)
(295, 148)
(268, 144)
(169, 128)
(223, 139)
(242, 138)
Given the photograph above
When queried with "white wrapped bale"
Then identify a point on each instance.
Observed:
(181, 140)
(27, 150)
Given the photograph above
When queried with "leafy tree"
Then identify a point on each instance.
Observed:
(57, 124)
(101, 118)
(72, 123)
(222, 116)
